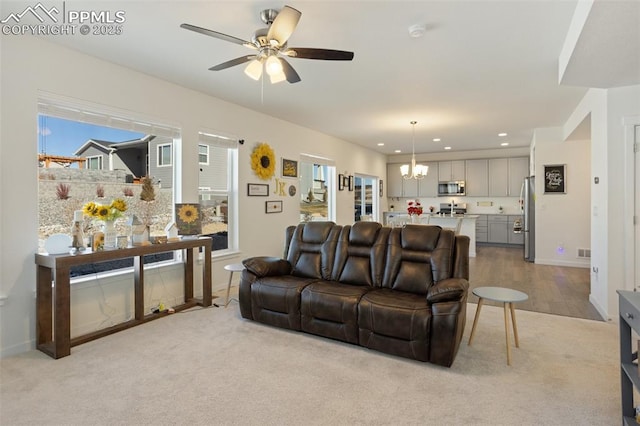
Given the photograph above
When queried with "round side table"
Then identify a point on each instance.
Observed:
(232, 267)
(506, 296)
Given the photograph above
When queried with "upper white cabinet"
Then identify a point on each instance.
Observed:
(506, 176)
(451, 170)
(477, 182)
(518, 170)
(397, 186)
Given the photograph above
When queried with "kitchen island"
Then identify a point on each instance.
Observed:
(467, 223)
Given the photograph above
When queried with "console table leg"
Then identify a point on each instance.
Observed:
(138, 287)
(62, 324)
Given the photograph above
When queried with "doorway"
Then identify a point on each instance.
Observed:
(365, 198)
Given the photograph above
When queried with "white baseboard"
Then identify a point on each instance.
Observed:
(557, 262)
(601, 311)
(18, 349)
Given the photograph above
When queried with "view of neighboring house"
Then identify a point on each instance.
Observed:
(150, 155)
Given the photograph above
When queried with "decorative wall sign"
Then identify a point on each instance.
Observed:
(289, 168)
(279, 187)
(292, 190)
(258, 189)
(555, 179)
(350, 182)
(341, 182)
(381, 188)
(273, 206)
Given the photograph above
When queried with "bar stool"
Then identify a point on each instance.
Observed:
(232, 267)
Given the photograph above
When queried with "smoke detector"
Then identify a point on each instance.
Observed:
(417, 30)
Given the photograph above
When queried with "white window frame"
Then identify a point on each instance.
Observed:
(216, 138)
(100, 162)
(159, 150)
(206, 154)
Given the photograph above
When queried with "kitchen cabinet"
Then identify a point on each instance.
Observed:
(498, 229)
(506, 176)
(477, 182)
(451, 170)
(482, 229)
(513, 237)
(397, 186)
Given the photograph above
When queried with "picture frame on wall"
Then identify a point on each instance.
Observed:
(555, 179)
(381, 188)
(273, 206)
(340, 182)
(289, 168)
(351, 182)
(258, 189)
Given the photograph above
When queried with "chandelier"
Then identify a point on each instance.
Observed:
(418, 171)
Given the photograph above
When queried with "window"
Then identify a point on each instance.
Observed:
(85, 155)
(317, 199)
(164, 155)
(94, 163)
(218, 189)
(203, 154)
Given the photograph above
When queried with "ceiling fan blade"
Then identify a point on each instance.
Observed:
(233, 62)
(289, 72)
(218, 35)
(323, 54)
(284, 25)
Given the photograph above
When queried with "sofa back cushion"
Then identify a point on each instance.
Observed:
(312, 249)
(417, 257)
(360, 254)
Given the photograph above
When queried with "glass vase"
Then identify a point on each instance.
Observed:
(110, 234)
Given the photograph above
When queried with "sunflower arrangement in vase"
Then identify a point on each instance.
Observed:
(105, 212)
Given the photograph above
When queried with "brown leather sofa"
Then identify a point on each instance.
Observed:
(402, 291)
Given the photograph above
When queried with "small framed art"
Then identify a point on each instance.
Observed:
(289, 168)
(555, 179)
(350, 182)
(340, 182)
(188, 219)
(273, 206)
(258, 189)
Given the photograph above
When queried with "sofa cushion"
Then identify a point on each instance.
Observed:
(330, 309)
(360, 254)
(311, 252)
(276, 300)
(418, 256)
(395, 322)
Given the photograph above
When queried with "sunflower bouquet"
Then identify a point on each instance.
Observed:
(105, 212)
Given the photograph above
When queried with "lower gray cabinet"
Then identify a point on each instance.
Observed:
(498, 229)
(482, 229)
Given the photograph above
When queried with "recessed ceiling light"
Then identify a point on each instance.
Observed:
(381, 144)
(447, 147)
(504, 144)
(502, 135)
(397, 151)
(417, 31)
(436, 140)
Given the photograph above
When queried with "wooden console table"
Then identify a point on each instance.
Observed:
(53, 313)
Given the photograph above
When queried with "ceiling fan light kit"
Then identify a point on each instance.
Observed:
(417, 171)
(271, 46)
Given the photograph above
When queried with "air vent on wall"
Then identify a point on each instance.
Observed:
(584, 253)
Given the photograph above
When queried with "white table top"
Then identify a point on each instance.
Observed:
(234, 267)
(500, 294)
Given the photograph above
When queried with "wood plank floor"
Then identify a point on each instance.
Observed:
(555, 290)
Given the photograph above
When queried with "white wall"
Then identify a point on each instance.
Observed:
(607, 108)
(30, 65)
(562, 221)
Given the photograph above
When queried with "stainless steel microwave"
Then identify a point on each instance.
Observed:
(451, 188)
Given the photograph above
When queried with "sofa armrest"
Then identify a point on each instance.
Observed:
(263, 266)
(447, 290)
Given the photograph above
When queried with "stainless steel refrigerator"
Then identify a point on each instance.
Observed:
(529, 212)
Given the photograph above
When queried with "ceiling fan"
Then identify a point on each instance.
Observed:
(271, 48)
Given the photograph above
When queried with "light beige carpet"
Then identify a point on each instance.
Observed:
(209, 366)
